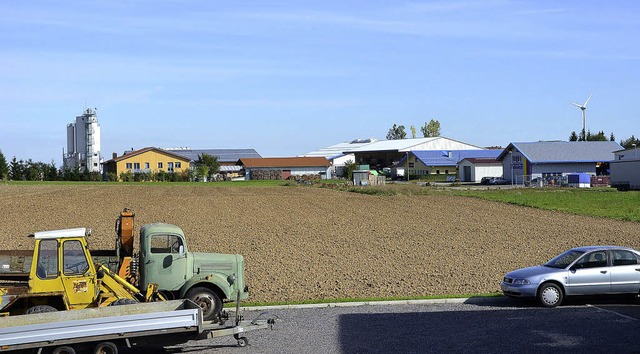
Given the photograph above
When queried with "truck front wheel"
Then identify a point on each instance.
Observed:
(208, 300)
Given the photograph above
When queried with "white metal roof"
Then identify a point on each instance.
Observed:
(403, 145)
(339, 149)
(77, 232)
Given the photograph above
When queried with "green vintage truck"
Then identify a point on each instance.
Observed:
(163, 258)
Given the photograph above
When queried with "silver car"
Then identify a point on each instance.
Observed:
(591, 270)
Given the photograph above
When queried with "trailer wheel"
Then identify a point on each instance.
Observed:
(243, 342)
(105, 348)
(40, 309)
(208, 300)
(64, 350)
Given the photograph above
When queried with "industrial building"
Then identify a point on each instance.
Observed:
(625, 169)
(227, 158)
(284, 167)
(83, 144)
(523, 162)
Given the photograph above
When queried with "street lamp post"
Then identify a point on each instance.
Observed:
(635, 151)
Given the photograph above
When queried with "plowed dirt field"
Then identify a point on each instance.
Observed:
(305, 243)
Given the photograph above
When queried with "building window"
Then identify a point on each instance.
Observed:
(129, 165)
(159, 164)
(178, 164)
(146, 165)
(136, 165)
(437, 172)
(410, 164)
(446, 172)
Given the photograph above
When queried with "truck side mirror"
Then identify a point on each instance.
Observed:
(100, 273)
(181, 250)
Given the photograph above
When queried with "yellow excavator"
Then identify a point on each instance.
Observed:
(63, 276)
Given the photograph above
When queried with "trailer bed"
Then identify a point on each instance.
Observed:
(170, 322)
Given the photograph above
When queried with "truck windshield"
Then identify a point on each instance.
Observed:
(75, 261)
(564, 259)
(47, 267)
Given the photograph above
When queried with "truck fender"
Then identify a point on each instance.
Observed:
(212, 281)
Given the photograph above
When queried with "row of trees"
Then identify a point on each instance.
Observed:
(431, 129)
(206, 168)
(626, 143)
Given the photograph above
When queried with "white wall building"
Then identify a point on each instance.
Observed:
(625, 169)
(83, 144)
(473, 169)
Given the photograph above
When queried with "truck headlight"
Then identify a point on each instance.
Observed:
(521, 282)
(231, 279)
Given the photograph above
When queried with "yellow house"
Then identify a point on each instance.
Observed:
(147, 160)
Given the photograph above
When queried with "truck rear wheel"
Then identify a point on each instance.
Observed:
(105, 348)
(40, 309)
(207, 300)
(64, 350)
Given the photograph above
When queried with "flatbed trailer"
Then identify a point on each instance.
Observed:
(103, 330)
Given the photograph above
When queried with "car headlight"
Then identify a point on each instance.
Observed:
(521, 282)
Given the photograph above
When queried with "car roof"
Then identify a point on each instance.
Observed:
(596, 248)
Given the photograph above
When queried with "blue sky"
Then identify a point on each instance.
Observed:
(289, 77)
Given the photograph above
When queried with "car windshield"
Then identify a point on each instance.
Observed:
(563, 260)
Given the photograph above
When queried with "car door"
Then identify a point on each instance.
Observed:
(590, 275)
(625, 272)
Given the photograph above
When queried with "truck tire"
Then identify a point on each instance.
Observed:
(40, 309)
(64, 350)
(105, 348)
(207, 300)
(123, 302)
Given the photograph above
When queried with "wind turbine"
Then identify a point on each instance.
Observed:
(583, 107)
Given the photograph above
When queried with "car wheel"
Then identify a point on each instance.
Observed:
(550, 295)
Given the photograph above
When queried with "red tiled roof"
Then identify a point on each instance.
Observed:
(284, 162)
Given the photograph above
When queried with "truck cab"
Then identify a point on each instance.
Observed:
(61, 275)
(208, 279)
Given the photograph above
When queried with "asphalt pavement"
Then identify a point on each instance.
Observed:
(490, 325)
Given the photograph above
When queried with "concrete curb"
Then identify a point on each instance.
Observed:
(367, 303)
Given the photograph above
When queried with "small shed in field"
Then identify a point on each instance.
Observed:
(284, 167)
(473, 169)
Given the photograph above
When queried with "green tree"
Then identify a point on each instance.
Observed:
(206, 166)
(573, 136)
(4, 168)
(413, 131)
(396, 133)
(16, 170)
(596, 137)
(628, 143)
(612, 137)
(349, 167)
(431, 129)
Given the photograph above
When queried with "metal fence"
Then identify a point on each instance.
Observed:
(556, 181)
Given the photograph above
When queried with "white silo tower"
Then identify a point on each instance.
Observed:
(83, 143)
